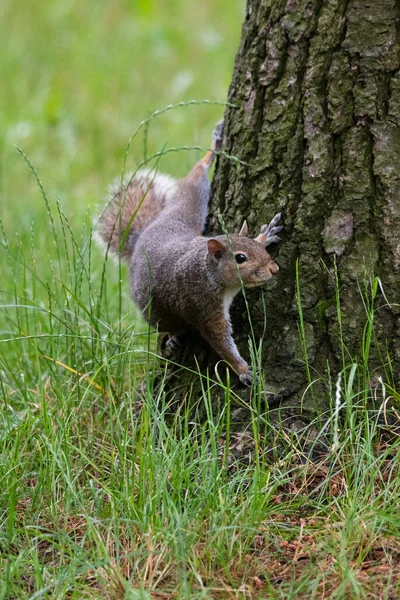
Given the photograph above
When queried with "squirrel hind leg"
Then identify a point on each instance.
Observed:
(217, 135)
(216, 144)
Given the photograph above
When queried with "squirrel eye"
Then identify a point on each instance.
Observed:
(240, 258)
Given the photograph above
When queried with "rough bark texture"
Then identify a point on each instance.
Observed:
(317, 89)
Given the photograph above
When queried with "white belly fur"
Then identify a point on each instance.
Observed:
(230, 293)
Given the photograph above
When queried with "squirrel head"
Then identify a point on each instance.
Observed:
(241, 259)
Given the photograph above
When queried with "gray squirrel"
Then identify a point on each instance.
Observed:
(179, 278)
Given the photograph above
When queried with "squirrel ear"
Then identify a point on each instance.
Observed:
(245, 230)
(215, 248)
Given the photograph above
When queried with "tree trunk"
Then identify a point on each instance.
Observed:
(317, 90)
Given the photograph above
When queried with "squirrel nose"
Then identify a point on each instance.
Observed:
(274, 268)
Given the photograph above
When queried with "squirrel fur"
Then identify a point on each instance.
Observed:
(179, 278)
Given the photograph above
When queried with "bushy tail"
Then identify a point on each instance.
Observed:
(132, 207)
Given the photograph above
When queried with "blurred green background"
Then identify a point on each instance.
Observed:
(77, 78)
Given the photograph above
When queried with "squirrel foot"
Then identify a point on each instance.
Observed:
(247, 378)
(218, 135)
(173, 344)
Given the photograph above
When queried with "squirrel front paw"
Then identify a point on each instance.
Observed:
(247, 378)
(268, 232)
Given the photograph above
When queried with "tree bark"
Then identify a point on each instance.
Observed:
(316, 84)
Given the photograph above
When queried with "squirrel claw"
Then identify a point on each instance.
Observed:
(273, 239)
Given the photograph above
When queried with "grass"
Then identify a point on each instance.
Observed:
(101, 496)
